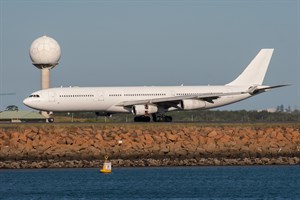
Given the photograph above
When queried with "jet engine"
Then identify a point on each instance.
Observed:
(144, 109)
(189, 104)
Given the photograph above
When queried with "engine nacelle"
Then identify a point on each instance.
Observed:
(189, 104)
(144, 109)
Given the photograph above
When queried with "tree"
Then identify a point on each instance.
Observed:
(12, 108)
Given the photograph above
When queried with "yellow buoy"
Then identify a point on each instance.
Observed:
(106, 166)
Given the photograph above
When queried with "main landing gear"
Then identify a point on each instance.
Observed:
(155, 118)
(161, 118)
(142, 119)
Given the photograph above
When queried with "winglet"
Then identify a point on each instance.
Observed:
(255, 72)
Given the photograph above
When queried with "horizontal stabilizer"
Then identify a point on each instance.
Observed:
(259, 89)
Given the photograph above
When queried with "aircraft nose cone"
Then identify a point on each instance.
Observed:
(26, 102)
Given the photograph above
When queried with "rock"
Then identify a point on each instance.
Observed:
(61, 141)
(148, 139)
(22, 138)
(212, 134)
(171, 137)
(33, 130)
(99, 137)
(69, 141)
(280, 137)
(164, 149)
(13, 143)
(210, 147)
(14, 135)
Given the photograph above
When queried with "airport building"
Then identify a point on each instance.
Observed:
(21, 116)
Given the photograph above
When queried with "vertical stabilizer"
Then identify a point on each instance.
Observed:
(255, 72)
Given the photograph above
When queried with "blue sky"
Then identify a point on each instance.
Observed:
(129, 43)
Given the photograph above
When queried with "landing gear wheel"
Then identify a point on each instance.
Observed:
(155, 118)
(168, 119)
(50, 120)
(161, 118)
(142, 119)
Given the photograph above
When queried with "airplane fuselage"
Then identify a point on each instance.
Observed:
(106, 99)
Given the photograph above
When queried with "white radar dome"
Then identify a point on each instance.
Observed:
(45, 51)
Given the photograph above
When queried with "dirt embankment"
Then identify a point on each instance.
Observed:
(148, 145)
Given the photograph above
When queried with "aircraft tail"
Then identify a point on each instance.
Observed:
(255, 72)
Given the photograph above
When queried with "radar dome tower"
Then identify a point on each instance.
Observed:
(45, 53)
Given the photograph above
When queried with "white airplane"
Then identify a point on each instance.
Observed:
(155, 101)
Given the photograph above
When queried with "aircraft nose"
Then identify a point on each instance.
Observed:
(27, 102)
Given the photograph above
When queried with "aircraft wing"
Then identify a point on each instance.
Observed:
(209, 97)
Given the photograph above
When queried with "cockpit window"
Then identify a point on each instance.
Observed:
(35, 95)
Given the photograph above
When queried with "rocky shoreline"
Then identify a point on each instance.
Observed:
(73, 146)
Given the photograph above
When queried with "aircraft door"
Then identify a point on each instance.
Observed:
(173, 93)
(51, 96)
(100, 96)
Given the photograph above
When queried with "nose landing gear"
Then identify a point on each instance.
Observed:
(50, 120)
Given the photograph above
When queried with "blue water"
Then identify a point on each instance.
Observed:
(256, 182)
